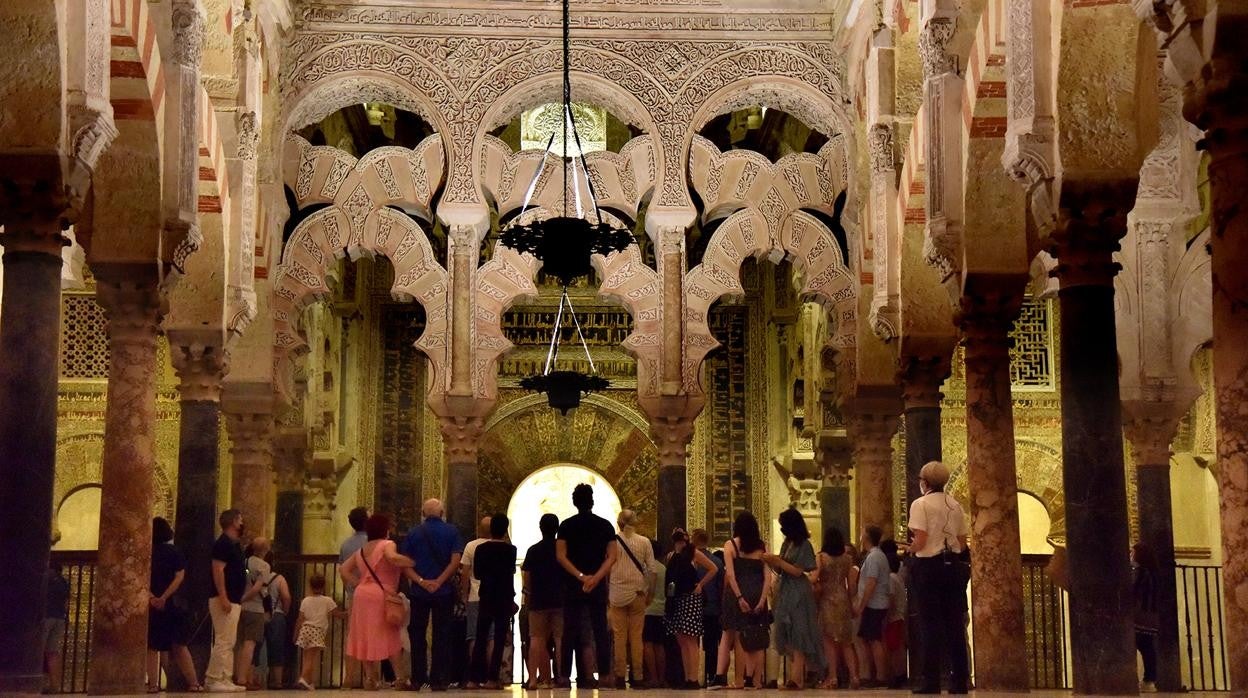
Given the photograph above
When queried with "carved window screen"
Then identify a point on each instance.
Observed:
(84, 338)
(1031, 357)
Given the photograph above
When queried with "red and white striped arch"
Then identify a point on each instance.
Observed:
(987, 56)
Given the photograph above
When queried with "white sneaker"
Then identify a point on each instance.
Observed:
(304, 685)
(1148, 687)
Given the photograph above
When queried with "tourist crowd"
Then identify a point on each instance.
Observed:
(623, 610)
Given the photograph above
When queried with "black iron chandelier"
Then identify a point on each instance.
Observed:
(565, 244)
(564, 388)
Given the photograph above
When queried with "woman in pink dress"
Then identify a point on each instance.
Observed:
(370, 638)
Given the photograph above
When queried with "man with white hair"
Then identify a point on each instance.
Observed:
(436, 547)
(628, 595)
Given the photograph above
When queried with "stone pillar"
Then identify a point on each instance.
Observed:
(201, 367)
(672, 437)
(834, 506)
(131, 298)
(460, 436)
(1150, 437)
(249, 418)
(290, 449)
(871, 434)
(921, 377)
(463, 241)
(29, 350)
(1217, 103)
(1091, 221)
(319, 535)
(671, 245)
(986, 317)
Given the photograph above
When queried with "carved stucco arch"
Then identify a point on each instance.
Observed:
(1039, 474)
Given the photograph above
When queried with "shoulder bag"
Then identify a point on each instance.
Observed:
(394, 610)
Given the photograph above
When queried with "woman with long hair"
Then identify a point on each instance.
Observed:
(796, 627)
(166, 621)
(686, 618)
(746, 587)
(835, 615)
(374, 573)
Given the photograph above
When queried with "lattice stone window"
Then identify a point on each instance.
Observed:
(1031, 358)
(84, 337)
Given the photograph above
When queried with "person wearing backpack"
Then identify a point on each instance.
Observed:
(631, 580)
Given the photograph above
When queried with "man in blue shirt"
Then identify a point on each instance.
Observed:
(872, 603)
(436, 547)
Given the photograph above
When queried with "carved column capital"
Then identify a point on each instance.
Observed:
(35, 205)
(871, 435)
(1150, 426)
(132, 300)
(672, 437)
(188, 33)
(880, 146)
(986, 317)
(251, 435)
(290, 449)
(921, 377)
(461, 434)
(319, 496)
(200, 367)
(1092, 219)
(934, 40)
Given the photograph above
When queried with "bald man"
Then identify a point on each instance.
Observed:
(436, 547)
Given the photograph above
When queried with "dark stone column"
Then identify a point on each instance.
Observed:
(921, 377)
(834, 506)
(133, 303)
(461, 498)
(200, 368)
(1092, 220)
(1150, 427)
(290, 450)
(673, 499)
(29, 350)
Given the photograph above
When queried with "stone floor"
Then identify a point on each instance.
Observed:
(516, 692)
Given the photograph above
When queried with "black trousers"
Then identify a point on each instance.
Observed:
(711, 632)
(585, 625)
(1146, 643)
(501, 623)
(942, 627)
(423, 609)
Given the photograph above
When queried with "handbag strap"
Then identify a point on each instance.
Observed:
(370, 571)
(631, 556)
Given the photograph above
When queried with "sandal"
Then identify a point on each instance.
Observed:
(197, 688)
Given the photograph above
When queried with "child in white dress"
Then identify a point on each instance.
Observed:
(312, 628)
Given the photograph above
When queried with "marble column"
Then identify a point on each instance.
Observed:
(1218, 103)
(290, 449)
(460, 436)
(921, 377)
(29, 350)
(250, 426)
(1150, 447)
(872, 436)
(132, 301)
(986, 317)
(672, 436)
(1091, 221)
(464, 250)
(200, 367)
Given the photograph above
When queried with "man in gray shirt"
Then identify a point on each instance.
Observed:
(872, 604)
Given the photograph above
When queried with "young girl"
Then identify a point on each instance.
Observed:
(311, 628)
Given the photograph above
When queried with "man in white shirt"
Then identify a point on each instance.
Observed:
(631, 580)
(940, 529)
(472, 590)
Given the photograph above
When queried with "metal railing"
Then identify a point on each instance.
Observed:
(79, 569)
(1047, 632)
(1202, 640)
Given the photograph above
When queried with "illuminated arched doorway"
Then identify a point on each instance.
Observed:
(549, 491)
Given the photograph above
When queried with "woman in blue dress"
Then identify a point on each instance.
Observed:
(796, 628)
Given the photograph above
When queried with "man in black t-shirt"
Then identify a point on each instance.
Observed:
(586, 550)
(229, 583)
